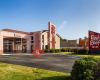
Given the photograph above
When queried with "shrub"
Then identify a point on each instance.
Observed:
(66, 50)
(47, 50)
(57, 50)
(81, 51)
(75, 51)
(52, 50)
(97, 71)
(84, 69)
(63, 50)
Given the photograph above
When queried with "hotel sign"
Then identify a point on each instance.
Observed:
(94, 40)
(51, 36)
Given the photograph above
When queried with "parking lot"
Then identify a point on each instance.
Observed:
(54, 62)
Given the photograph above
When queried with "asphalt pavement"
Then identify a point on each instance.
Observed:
(49, 61)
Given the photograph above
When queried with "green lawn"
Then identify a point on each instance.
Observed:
(95, 56)
(80, 55)
(17, 72)
(64, 53)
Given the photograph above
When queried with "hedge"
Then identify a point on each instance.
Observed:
(97, 72)
(53, 50)
(75, 51)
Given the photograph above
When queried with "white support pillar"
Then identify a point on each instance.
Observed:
(28, 44)
(13, 44)
(21, 44)
(1, 44)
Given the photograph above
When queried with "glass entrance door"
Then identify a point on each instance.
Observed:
(8, 46)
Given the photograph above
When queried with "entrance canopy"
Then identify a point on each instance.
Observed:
(14, 44)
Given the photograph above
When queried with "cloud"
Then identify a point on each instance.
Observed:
(62, 26)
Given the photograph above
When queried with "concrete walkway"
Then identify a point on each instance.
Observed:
(55, 62)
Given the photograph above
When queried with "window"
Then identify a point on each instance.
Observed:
(32, 38)
(32, 41)
(43, 47)
(42, 36)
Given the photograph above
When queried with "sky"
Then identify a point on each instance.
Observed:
(73, 18)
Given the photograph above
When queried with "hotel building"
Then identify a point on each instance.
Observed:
(14, 41)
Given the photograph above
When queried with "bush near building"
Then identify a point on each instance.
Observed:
(86, 69)
(58, 50)
(81, 51)
(53, 50)
(75, 51)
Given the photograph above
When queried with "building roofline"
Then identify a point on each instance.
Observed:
(34, 32)
(17, 31)
(45, 30)
(58, 35)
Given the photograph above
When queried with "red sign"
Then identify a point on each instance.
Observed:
(94, 40)
(51, 35)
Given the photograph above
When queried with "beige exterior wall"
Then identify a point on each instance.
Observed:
(28, 43)
(1, 44)
(57, 41)
(57, 45)
(44, 40)
(13, 34)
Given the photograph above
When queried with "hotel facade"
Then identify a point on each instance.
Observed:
(14, 41)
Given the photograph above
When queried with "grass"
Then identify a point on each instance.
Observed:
(17, 72)
(95, 56)
(64, 53)
(80, 55)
